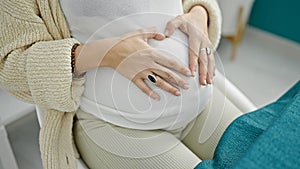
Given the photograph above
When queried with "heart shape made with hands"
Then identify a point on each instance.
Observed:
(114, 98)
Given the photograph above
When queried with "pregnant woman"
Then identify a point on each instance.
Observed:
(146, 66)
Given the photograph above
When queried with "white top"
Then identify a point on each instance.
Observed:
(112, 97)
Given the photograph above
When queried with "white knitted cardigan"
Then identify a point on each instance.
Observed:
(35, 66)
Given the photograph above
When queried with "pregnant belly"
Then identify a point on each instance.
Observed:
(115, 99)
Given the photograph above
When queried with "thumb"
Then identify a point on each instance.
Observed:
(153, 33)
(172, 25)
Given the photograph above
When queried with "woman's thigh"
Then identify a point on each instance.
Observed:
(203, 134)
(103, 145)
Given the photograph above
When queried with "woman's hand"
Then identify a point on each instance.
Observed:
(194, 24)
(131, 56)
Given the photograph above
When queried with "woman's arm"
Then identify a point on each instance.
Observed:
(33, 66)
(135, 59)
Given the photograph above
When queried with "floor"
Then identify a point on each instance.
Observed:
(23, 135)
(265, 67)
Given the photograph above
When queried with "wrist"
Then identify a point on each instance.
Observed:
(76, 56)
(109, 58)
(77, 51)
(200, 12)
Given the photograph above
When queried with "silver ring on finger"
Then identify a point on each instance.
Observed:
(152, 78)
(207, 51)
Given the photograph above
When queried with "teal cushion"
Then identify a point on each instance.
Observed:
(266, 138)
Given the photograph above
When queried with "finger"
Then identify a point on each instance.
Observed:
(169, 75)
(153, 33)
(193, 62)
(164, 60)
(146, 89)
(172, 25)
(203, 65)
(194, 44)
(211, 69)
(161, 83)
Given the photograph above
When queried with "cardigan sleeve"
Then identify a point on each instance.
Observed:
(214, 16)
(33, 66)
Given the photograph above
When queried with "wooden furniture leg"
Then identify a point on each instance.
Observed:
(237, 38)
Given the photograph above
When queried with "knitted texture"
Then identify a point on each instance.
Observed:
(35, 66)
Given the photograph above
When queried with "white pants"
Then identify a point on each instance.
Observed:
(103, 145)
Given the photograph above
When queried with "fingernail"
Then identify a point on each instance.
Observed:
(167, 33)
(177, 93)
(194, 73)
(186, 86)
(188, 73)
(155, 96)
(205, 84)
